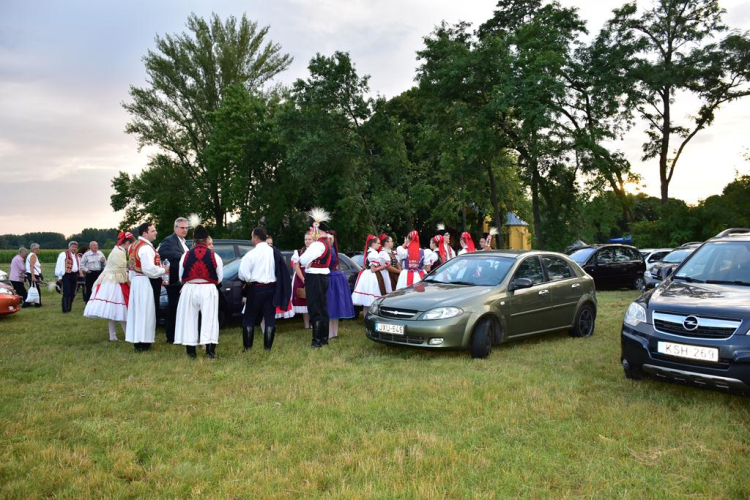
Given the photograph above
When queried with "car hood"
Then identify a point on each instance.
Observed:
(701, 298)
(425, 296)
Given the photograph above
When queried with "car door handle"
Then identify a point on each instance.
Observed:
(543, 292)
(575, 285)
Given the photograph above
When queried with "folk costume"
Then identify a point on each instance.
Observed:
(143, 265)
(316, 260)
(468, 244)
(201, 270)
(368, 286)
(339, 298)
(68, 269)
(299, 301)
(111, 290)
(413, 262)
(439, 256)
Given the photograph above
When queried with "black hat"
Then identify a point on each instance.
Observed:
(323, 226)
(200, 232)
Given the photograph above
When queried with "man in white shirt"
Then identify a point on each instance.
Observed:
(92, 264)
(258, 271)
(68, 269)
(316, 260)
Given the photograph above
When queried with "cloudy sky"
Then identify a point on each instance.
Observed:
(65, 69)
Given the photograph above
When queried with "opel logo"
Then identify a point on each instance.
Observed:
(690, 323)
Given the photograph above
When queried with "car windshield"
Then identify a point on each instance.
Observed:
(677, 256)
(719, 262)
(472, 271)
(582, 255)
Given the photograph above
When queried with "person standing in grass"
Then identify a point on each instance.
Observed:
(92, 264)
(68, 270)
(143, 265)
(172, 249)
(200, 271)
(316, 261)
(34, 270)
(339, 298)
(18, 274)
(110, 291)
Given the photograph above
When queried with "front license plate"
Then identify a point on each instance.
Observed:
(388, 328)
(689, 351)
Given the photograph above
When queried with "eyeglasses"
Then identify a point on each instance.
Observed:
(182, 227)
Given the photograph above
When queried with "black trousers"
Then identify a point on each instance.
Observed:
(173, 296)
(88, 288)
(259, 305)
(20, 290)
(39, 279)
(316, 288)
(69, 286)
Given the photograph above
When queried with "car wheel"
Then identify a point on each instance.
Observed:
(639, 283)
(584, 322)
(633, 372)
(481, 339)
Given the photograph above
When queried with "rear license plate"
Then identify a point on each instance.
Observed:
(689, 351)
(388, 328)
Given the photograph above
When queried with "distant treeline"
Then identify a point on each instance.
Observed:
(49, 240)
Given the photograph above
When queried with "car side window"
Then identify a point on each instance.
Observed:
(605, 256)
(226, 252)
(531, 269)
(557, 269)
(343, 265)
(634, 255)
(622, 255)
(244, 249)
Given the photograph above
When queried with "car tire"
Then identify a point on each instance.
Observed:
(481, 339)
(639, 283)
(585, 322)
(634, 373)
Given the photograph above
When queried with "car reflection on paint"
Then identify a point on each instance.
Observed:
(482, 299)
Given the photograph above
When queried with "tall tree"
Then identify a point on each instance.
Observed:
(673, 53)
(188, 77)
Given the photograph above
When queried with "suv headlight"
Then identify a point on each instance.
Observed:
(375, 307)
(442, 313)
(635, 315)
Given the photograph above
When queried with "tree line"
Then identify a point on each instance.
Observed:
(522, 113)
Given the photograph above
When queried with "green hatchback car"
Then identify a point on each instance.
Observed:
(482, 299)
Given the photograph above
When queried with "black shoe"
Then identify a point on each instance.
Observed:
(324, 333)
(268, 337)
(190, 351)
(137, 346)
(248, 334)
(316, 343)
(211, 351)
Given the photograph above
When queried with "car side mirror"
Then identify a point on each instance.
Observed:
(520, 283)
(650, 285)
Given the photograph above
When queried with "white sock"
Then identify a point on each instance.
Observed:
(112, 330)
(307, 319)
(333, 328)
(124, 325)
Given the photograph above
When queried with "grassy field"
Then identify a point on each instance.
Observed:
(553, 417)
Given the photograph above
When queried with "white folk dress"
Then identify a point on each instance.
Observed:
(411, 272)
(367, 288)
(111, 290)
(141, 309)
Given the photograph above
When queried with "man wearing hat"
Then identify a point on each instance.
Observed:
(267, 286)
(68, 269)
(201, 270)
(143, 265)
(316, 261)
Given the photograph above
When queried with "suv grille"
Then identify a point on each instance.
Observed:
(392, 312)
(695, 326)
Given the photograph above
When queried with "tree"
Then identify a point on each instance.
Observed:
(189, 76)
(671, 54)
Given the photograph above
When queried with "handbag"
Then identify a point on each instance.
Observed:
(301, 294)
(32, 296)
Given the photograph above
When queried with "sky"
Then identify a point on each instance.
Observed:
(66, 68)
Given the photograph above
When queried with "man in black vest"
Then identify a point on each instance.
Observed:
(172, 249)
(316, 260)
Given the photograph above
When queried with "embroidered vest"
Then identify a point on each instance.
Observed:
(200, 263)
(134, 261)
(69, 262)
(324, 260)
(415, 265)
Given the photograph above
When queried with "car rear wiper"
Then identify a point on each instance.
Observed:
(725, 282)
(688, 279)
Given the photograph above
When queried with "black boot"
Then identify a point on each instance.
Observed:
(248, 334)
(211, 351)
(316, 326)
(64, 304)
(268, 337)
(190, 351)
(324, 333)
(138, 347)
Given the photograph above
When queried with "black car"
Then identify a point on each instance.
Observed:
(231, 298)
(695, 327)
(667, 265)
(611, 266)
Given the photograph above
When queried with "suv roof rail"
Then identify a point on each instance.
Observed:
(733, 230)
(690, 243)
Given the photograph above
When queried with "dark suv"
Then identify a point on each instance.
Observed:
(611, 266)
(693, 328)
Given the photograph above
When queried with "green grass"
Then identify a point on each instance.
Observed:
(552, 417)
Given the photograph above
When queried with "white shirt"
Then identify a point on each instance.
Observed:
(257, 265)
(462, 251)
(60, 265)
(37, 264)
(185, 248)
(430, 257)
(315, 250)
(146, 254)
(449, 252)
(92, 261)
(219, 269)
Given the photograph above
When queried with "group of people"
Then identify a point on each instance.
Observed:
(125, 287)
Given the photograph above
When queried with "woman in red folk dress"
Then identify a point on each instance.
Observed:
(467, 244)
(413, 259)
(370, 284)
